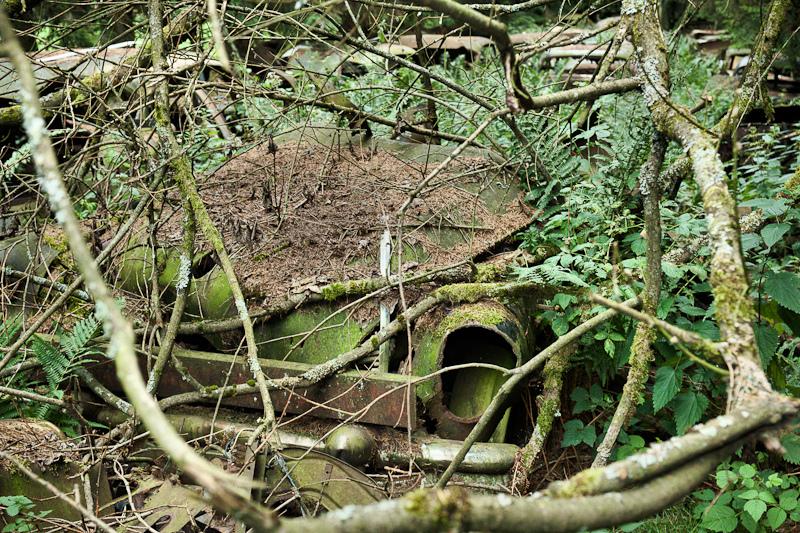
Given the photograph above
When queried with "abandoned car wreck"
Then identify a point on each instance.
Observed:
(358, 265)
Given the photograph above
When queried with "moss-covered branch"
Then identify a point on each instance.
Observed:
(217, 483)
(641, 350)
(734, 309)
(548, 404)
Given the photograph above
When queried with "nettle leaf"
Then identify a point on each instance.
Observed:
(596, 394)
(668, 383)
(572, 433)
(791, 445)
(770, 206)
(688, 408)
(772, 233)
(784, 288)
(767, 340)
(720, 518)
(563, 300)
(747, 471)
(756, 509)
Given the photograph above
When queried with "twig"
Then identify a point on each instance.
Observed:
(19, 465)
(520, 374)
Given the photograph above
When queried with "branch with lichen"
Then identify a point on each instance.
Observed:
(761, 56)
(182, 291)
(627, 490)
(181, 173)
(548, 405)
(641, 350)
(218, 484)
(734, 309)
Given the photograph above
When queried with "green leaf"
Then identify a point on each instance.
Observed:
(608, 344)
(776, 517)
(750, 241)
(563, 300)
(12, 510)
(705, 495)
(689, 408)
(788, 500)
(770, 206)
(572, 433)
(560, 325)
(748, 494)
(667, 384)
(582, 401)
(720, 518)
(772, 233)
(747, 471)
(784, 288)
(671, 270)
(791, 445)
(766, 497)
(767, 340)
(589, 435)
(756, 509)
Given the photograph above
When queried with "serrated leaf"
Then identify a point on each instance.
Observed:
(608, 345)
(748, 494)
(688, 408)
(756, 509)
(776, 517)
(720, 518)
(767, 341)
(588, 435)
(671, 270)
(668, 381)
(791, 445)
(784, 288)
(772, 233)
(560, 325)
(563, 300)
(770, 206)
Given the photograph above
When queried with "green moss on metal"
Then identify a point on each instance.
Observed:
(58, 242)
(280, 338)
(485, 314)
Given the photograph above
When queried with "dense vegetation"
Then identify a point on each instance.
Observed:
(582, 165)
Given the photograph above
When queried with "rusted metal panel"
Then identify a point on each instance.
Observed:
(357, 396)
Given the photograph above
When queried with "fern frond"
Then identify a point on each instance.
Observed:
(551, 274)
(74, 343)
(54, 362)
(9, 330)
